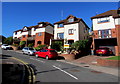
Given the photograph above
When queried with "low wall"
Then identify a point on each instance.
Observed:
(107, 62)
(68, 56)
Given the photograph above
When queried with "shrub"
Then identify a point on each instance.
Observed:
(30, 45)
(41, 47)
(22, 43)
(57, 45)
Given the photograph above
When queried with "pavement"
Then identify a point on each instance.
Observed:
(91, 63)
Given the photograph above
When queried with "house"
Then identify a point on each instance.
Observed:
(70, 30)
(38, 35)
(106, 29)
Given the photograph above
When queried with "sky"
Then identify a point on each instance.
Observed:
(16, 15)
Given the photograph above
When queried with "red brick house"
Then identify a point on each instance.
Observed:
(38, 35)
(106, 29)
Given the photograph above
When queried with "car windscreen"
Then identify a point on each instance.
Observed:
(5, 45)
(104, 48)
(52, 51)
(31, 49)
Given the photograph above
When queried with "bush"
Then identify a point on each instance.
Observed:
(57, 45)
(16, 45)
(22, 43)
(41, 47)
(8, 40)
(30, 45)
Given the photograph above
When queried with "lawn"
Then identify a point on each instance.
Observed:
(114, 58)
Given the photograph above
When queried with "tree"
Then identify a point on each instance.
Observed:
(82, 47)
(79, 45)
(57, 45)
(8, 40)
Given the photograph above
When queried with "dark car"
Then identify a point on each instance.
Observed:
(104, 51)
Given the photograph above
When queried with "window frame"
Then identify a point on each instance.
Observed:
(59, 36)
(71, 31)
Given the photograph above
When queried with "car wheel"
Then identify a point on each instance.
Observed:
(47, 57)
(29, 54)
(36, 55)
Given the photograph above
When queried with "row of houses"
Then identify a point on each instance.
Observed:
(106, 31)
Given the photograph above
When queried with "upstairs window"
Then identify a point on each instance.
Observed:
(15, 33)
(60, 35)
(60, 25)
(102, 20)
(71, 20)
(40, 25)
(104, 33)
(70, 31)
(25, 29)
(40, 34)
(24, 36)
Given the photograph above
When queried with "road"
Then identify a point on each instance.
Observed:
(56, 71)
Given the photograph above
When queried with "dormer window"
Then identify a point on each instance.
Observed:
(40, 25)
(25, 29)
(60, 25)
(71, 20)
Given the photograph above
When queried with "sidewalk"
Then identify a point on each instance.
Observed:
(90, 62)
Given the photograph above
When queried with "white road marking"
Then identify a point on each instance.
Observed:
(37, 60)
(66, 72)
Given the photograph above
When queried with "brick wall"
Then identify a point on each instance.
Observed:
(47, 38)
(118, 39)
(24, 38)
(39, 38)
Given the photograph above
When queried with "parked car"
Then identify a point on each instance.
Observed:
(46, 53)
(104, 51)
(6, 47)
(28, 51)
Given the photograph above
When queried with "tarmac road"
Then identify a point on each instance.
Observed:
(56, 71)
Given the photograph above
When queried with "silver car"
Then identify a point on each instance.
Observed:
(28, 51)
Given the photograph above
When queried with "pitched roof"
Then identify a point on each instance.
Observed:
(76, 20)
(65, 21)
(45, 24)
(18, 30)
(113, 13)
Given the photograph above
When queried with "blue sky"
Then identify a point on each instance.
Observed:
(16, 15)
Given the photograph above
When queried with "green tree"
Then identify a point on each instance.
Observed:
(79, 45)
(8, 40)
(57, 45)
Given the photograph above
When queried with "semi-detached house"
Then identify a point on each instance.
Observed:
(38, 35)
(70, 30)
(106, 28)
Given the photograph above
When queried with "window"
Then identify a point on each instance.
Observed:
(60, 25)
(25, 29)
(70, 31)
(40, 34)
(60, 35)
(71, 20)
(102, 20)
(15, 33)
(34, 29)
(40, 25)
(24, 36)
(104, 33)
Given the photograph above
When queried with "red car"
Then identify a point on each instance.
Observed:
(104, 51)
(46, 53)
